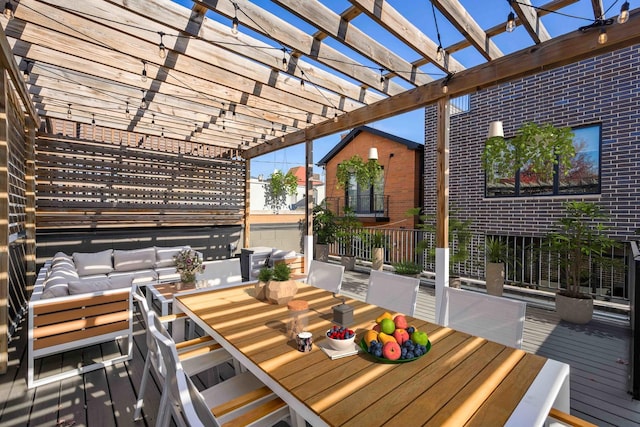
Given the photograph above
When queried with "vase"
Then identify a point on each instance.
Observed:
(187, 277)
(281, 292)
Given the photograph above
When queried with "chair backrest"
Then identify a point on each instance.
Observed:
(221, 273)
(393, 291)
(152, 348)
(182, 395)
(325, 276)
(494, 318)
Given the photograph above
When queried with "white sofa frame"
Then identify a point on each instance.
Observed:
(66, 323)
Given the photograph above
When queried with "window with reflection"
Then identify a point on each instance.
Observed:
(582, 178)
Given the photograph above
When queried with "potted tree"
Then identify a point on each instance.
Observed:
(324, 230)
(377, 241)
(349, 230)
(281, 289)
(538, 147)
(581, 242)
(277, 188)
(496, 254)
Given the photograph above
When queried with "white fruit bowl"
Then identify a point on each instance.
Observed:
(345, 344)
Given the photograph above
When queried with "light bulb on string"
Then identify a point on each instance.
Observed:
(93, 119)
(624, 13)
(127, 113)
(223, 111)
(69, 112)
(284, 58)
(511, 22)
(162, 50)
(143, 75)
(153, 120)
(335, 117)
(234, 21)
(143, 102)
(8, 10)
(602, 37)
(439, 54)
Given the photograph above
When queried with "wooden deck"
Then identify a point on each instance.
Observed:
(598, 354)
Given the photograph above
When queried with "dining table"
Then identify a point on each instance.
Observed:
(463, 380)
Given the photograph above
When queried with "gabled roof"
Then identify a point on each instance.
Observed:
(411, 145)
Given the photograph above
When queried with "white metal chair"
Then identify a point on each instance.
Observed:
(197, 355)
(487, 316)
(393, 292)
(242, 400)
(325, 276)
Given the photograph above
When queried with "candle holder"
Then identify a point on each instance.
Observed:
(342, 313)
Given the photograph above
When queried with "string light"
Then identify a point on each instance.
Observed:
(302, 80)
(8, 10)
(284, 58)
(234, 21)
(273, 130)
(309, 117)
(127, 113)
(143, 76)
(602, 37)
(224, 128)
(439, 54)
(162, 134)
(26, 75)
(93, 120)
(335, 117)
(153, 120)
(143, 102)
(381, 76)
(162, 51)
(445, 83)
(223, 111)
(69, 112)
(624, 13)
(511, 22)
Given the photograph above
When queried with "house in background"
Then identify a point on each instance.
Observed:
(400, 189)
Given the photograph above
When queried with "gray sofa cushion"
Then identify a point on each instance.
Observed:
(83, 286)
(164, 255)
(55, 286)
(88, 264)
(140, 277)
(137, 259)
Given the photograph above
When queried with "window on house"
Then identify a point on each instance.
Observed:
(582, 178)
(365, 200)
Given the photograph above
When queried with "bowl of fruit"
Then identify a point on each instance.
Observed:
(340, 338)
(392, 340)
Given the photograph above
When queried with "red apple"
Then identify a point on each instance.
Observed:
(401, 335)
(391, 350)
(400, 322)
(376, 327)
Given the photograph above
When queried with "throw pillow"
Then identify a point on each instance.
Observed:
(93, 263)
(137, 259)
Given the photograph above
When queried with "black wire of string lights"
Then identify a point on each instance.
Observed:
(599, 22)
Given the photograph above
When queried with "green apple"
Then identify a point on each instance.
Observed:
(387, 326)
(419, 337)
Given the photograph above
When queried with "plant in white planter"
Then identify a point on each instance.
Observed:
(349, 230)
(581, 242)
(377, 241)
(496, 254)
(277, 188)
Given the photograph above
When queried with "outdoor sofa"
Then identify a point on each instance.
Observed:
(85, 299)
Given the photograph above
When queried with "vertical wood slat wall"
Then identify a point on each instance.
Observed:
(15, 148)
(128, 180)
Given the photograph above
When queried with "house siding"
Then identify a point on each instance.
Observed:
(602, 90)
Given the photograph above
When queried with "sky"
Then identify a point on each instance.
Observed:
(487, 13)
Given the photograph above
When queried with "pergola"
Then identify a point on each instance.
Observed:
(241, 77)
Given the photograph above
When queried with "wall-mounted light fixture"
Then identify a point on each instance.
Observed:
(373, 153)
(495, 129)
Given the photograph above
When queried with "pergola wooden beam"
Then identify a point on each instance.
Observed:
(332, 24)
(411, 35)
(559, 51)
(530, 20)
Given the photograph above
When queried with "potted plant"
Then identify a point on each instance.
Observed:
(537, 147)
(324, 230)
(581, 242)
(277, 188)
(496, 254)
(407, 268)
(188, 263)
(349, 229)
(377, 241)
(459, 233)
(281, 289)
(365, 173)
(264, 276)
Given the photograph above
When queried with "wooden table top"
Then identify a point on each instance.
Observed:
(463, 380)
(168, 290)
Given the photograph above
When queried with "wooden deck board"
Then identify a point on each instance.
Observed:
(597, 352)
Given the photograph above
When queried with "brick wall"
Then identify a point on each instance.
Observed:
(603, 90)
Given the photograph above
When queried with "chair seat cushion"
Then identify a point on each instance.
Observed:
(139, 277)
(83, 286)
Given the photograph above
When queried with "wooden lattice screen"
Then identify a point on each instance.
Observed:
(134, 181)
